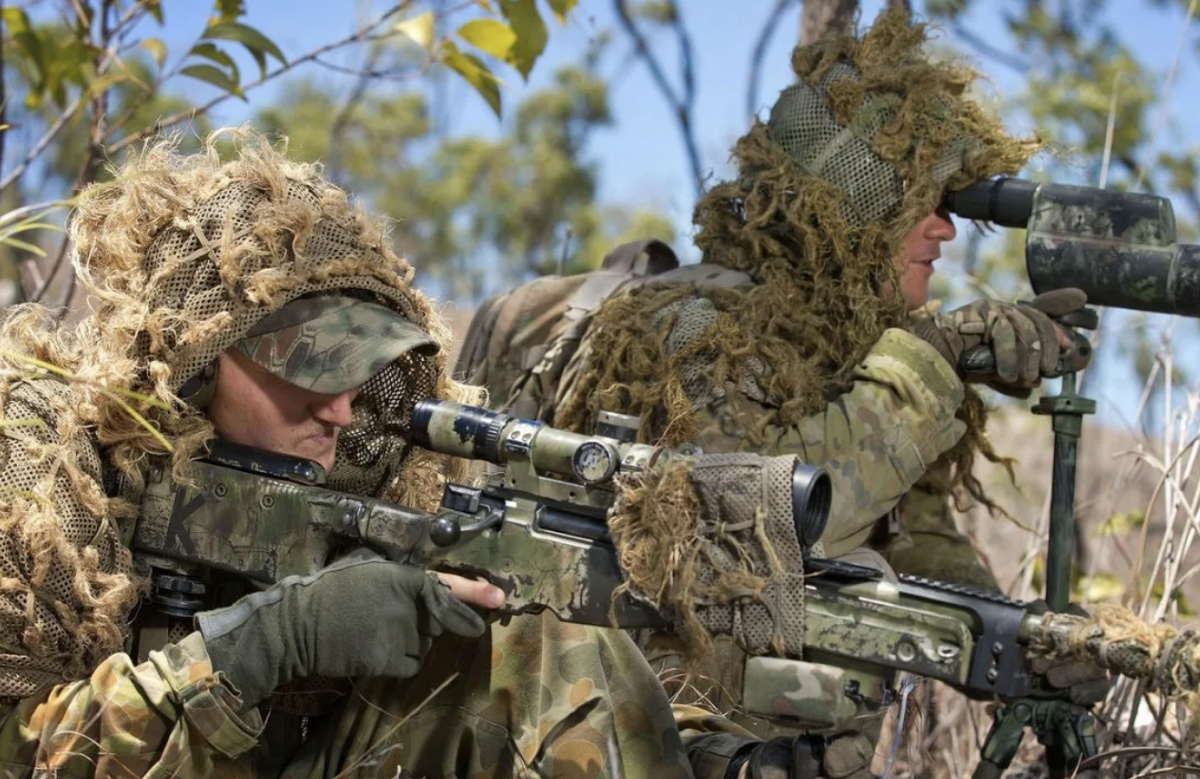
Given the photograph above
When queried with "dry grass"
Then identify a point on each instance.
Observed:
(1138, 514)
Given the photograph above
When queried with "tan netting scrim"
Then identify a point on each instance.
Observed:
(713, 539)
(180, 256)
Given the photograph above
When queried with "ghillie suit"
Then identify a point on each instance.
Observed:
(181, 256)
(853, 156)
(785, 339)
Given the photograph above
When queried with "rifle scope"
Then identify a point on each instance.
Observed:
(1118, 247)
(478, 434)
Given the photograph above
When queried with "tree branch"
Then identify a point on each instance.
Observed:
(757, 54)
(110, 56)
(342, 120)
(988, 50)
(108, 45)
(43, 142)
(180, 116)
(370, 73)
(826, 19)
(680, 105)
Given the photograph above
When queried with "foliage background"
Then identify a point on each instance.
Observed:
(510, 138)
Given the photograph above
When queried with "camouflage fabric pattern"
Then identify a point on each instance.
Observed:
(534, 698)
(169, 716)
(332, 343)
(928, 544)
(875, 441)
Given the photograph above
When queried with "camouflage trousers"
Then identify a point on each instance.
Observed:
(534, 698)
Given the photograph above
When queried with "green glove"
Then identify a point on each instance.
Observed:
(1022, 337)
(355, 618)
(1084, 681)
(806, 757)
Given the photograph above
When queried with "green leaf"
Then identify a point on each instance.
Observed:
(419, 29)
(215, 76)
(99, 86)
(1121, 524)
(228, 10)
(16, 20)
(562, 8)
(255, 42)
(17, 243)
(28, 40)
(488, 35)
(211, 52)
(154, 8)
(475, 73)
(157, 49)
(1099, 587)
(527, 23)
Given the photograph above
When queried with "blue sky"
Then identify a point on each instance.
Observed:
(640, 157)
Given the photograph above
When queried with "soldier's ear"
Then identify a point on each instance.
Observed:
(198, 391)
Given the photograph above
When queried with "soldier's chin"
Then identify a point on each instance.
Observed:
(320, 448)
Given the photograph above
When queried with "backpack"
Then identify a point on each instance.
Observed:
(520, 342)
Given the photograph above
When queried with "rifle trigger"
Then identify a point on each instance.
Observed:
(853, 691)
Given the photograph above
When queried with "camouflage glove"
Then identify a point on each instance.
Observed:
(1023, 338)
(806, 757)
(354, 618)
(1084, 681)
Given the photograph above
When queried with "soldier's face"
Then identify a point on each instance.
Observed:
(252, 406)
(921, 247)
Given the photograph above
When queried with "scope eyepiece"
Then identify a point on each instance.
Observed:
(812, 496)
(1006, 202)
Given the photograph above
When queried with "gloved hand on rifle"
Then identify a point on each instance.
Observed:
(1084, 681)
(1024, 340)
(358, 617)
(803, 756)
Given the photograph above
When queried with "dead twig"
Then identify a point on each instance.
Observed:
(682, 104)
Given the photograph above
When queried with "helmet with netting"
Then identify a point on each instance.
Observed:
(237, 242)
(803, 125)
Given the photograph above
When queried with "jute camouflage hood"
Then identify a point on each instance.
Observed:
(180, 256)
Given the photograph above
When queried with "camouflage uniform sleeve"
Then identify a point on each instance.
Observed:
(929, 543)
(170, 716)
(876, 440)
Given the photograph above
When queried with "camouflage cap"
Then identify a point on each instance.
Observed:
(331, 343)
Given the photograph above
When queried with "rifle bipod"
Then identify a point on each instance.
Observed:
(1067, 731)
(1066, 411)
